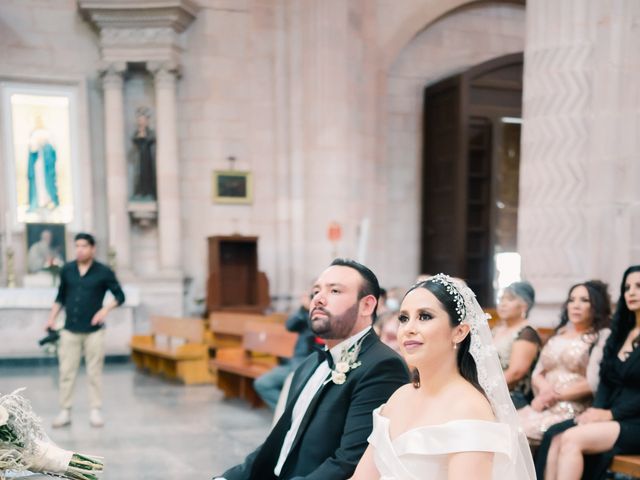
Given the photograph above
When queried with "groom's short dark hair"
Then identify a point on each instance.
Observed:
(369, 286)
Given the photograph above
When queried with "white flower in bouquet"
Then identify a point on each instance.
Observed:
(25, 447)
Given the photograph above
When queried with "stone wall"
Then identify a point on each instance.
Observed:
(579, 214)
(319, 100)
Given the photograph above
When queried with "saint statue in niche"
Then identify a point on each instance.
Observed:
(144, 158)
(41, 169)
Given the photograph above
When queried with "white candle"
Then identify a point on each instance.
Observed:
(7, 226)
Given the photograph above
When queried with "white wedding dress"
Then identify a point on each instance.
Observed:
(422, 452)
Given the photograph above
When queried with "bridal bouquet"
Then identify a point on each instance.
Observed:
(25, 446)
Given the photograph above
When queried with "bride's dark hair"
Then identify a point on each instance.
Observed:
(465, 361)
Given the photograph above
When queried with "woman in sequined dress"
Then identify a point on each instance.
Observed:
(567, 372)
(583, 448)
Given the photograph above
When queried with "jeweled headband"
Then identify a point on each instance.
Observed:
(447, 282)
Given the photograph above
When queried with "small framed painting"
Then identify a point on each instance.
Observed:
(231, 186)
(45, 247)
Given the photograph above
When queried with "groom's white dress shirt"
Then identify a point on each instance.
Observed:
(308, 392)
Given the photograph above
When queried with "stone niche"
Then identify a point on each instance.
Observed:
(140, 48)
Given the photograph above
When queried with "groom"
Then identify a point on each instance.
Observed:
(323, 431)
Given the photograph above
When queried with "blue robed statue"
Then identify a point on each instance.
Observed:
(41, 169)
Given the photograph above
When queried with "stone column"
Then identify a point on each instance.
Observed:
(332, 163)
(580, 146)
(168, 174)
(116, 165)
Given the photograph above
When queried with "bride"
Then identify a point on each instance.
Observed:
(456, 420)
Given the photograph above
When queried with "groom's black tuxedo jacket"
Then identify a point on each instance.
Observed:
(334, 430)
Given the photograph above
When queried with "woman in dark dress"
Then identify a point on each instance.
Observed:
(583, 448)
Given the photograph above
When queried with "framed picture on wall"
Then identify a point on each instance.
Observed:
(39, 139)
(231, 186)
(45, 247)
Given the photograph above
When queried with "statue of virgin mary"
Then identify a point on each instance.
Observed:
(41, 169)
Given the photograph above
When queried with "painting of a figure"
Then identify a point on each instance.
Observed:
(45, 247)
(40, 134)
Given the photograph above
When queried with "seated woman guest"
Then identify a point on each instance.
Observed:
(456, 420)
(567, 372)
(612, 425)
(518, 344)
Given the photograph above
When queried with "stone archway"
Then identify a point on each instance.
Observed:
(419, 18)
(458, 35)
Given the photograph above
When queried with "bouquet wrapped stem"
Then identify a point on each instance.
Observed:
(25, 446)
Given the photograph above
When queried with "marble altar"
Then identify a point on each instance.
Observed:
(23, 313)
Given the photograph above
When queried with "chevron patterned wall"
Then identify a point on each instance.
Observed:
(577, 204)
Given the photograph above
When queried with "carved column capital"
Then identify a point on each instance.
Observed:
(164, 73)
(113, 75)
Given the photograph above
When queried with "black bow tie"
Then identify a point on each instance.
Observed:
(324, 355)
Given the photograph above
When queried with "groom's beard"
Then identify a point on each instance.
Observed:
(333, 327)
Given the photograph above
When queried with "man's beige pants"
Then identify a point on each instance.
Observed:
(70, 350)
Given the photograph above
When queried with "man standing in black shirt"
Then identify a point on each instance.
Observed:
(83, 284)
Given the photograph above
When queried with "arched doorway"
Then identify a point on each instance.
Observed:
(471, 153)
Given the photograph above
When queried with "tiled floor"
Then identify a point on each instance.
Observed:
(154, 429)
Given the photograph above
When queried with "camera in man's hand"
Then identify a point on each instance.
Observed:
(52, 337)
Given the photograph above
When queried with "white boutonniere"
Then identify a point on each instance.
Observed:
(348, 361)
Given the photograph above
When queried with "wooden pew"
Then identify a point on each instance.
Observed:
(227, 328)
(626, 465)
(175, 348)
(237, 368)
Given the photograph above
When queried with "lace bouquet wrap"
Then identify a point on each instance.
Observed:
(519, 466)
(25, 447)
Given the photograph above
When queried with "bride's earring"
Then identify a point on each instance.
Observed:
(455, 346)
(415, 378)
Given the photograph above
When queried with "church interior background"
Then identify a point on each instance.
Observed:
(413, 135)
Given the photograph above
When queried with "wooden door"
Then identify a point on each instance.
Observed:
(234, 282)
(461, 153)
(442, 225)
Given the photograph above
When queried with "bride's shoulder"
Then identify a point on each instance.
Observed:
(469, 403)
(398, 400)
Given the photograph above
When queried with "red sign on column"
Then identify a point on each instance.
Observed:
(334, 232)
